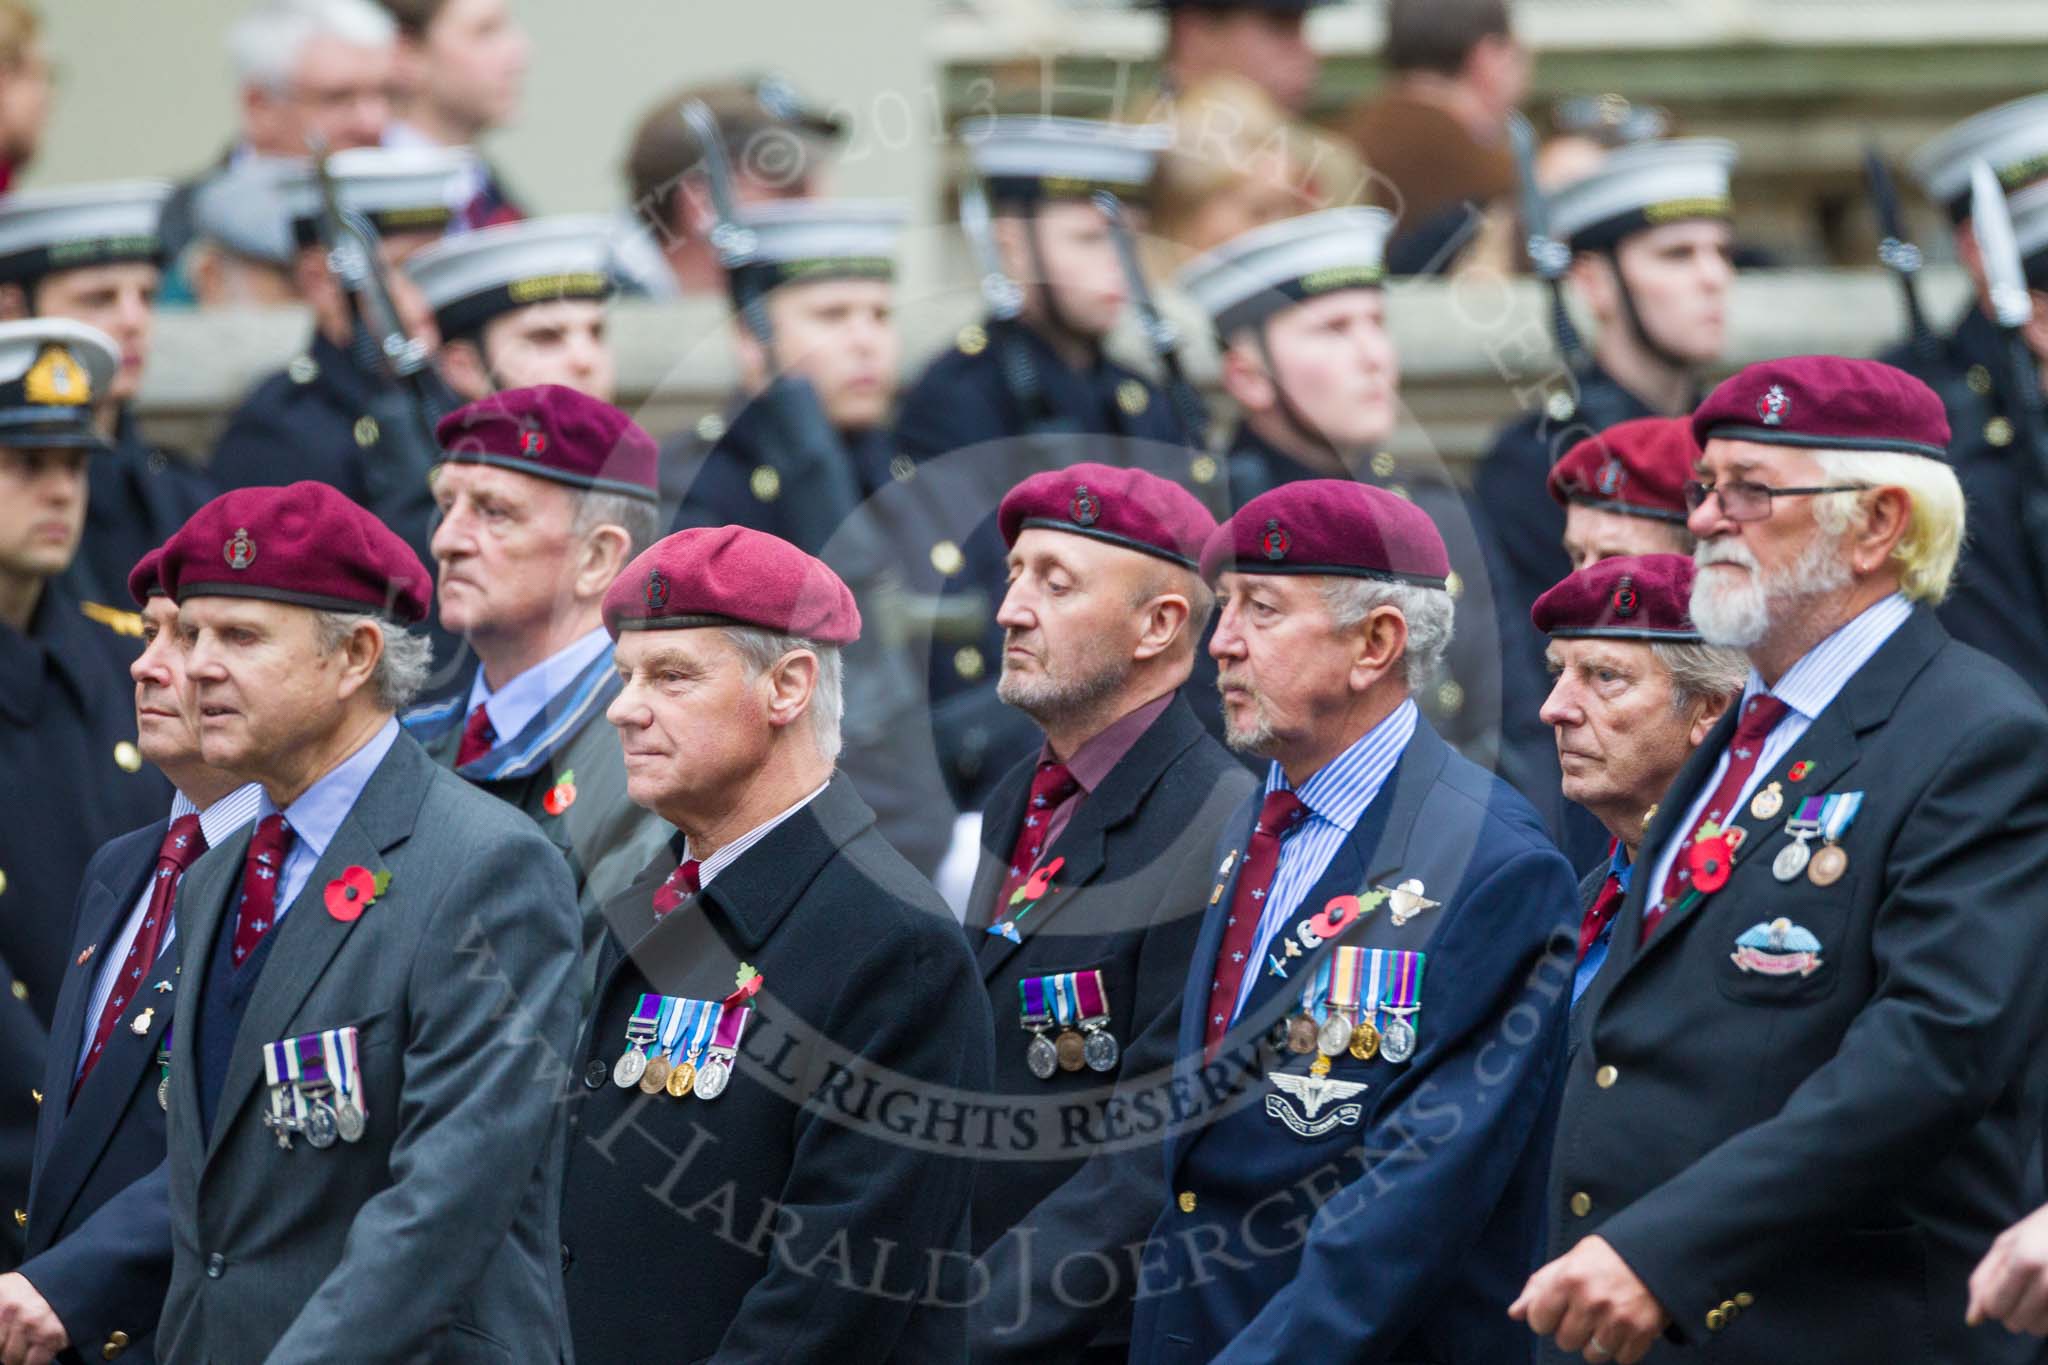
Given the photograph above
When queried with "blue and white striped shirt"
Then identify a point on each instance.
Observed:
(1808, 688)
(1336, 797)
(513, 706)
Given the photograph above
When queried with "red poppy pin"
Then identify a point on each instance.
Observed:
(1039, 882)
(562, 795)
(746, 985)
(354, 891)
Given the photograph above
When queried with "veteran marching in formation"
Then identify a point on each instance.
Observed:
(1051, 865)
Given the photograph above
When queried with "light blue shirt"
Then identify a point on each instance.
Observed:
(1620, 868)
(319, 811)
(1336, 796)
(513, 706)
(1808, 688)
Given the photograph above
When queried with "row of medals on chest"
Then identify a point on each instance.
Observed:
(1823, 866)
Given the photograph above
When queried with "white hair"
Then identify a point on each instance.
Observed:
(1926, 555)
(403, 666)
(759, 649)
(1428, 612)
(1701, 672)
(265, 43)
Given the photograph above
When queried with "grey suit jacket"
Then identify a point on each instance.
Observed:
(434, 1238)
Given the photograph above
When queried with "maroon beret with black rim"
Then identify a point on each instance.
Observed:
(1637, 468)
(1826, 402)
(306, 544)
(1629, 597)
(1330, 526)
(554, 432)
(731, 576)
(1126, 507)
(145, 580)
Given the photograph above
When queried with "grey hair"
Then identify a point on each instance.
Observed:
(1428, 612)
(639, 518)
(1701, 672)
(403, 666)
(265, 43)
(761, 648)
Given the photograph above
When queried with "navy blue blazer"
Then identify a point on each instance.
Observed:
(1404, 1234)
(99, 1275)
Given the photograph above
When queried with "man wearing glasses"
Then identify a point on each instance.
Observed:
(1800, 1109)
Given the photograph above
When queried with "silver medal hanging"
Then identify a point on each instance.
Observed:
(1041, 1056)
(1792, 858)
(1334, 1035)
(1098, 1048)
(1397, 1040)
(321, 1129)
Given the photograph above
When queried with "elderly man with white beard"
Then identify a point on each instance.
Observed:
(1800, 1111)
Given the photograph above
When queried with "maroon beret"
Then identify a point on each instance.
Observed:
(1638, 468)
(1126, 507)
(731, 576)
(554, 432)
(1629, 597)
(1827, 402)
(145, 579)
(1330, 526)
(307, 544)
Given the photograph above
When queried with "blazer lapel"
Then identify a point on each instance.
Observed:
(998, 825)
(103, 913)
(1195, 994)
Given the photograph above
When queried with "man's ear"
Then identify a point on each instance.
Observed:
(1246, 379)
(462, 366)
(791, 683)
(1165, 618)
(1382, 640)
(14, 303)
(1592, 276)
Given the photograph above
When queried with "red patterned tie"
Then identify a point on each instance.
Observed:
(256, 911)
(183, 843)
(680, 886)
(1279, 816)
(477, 737)
(1050, 785)
(1759, 718)
(1599, 914)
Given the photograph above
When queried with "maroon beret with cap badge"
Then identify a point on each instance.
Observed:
(1629, 597)
(307, 544)
(1128, 507)
(554, 432)
(731, 576)
(1826, 402)
(1330, 526)
(1637, 468)
(145, 580)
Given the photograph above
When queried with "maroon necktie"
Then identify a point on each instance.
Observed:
(1759, 718)
(256, 911)
(1279, 816)
(1050, 785)
(183, 843)
(1599, 914)
(477, 737)
(680, 886)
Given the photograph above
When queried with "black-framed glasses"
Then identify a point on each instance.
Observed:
(1742, 500)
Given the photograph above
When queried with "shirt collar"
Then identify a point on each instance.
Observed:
(1619, 866)
(321, 808)
(1811, 685)
(224, 816)
(1341, 789)
(727, 855)
(1093, 761)
(511, 708)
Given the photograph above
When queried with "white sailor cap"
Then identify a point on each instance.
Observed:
(471, 278)
(241, 207)
(399, 189)
(1271, 268)
(1029, 159)
(52, 371)
(1644, 185)
(798, 240)
(2013, 138)
(79, 225)
(1611, 120)
(2030, 231)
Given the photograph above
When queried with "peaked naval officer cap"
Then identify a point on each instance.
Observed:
(1643, 186)
(242, 208)
(476, 276)
(802, 240)
(2012, 137)
(1631, 597)
(52, 370)
(1025, 160)
(1256, 274)
(2030, 230)
(399, 189)
(80, 225)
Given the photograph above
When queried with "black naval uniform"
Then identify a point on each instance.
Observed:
(1999, 602)
(311, 420)
(138, 495)
(965, 399)
(1126, 901)
(817, 1209)
(1805, 1160)
(1469, 705)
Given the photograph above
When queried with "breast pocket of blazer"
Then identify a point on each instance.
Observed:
(1777, 949)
